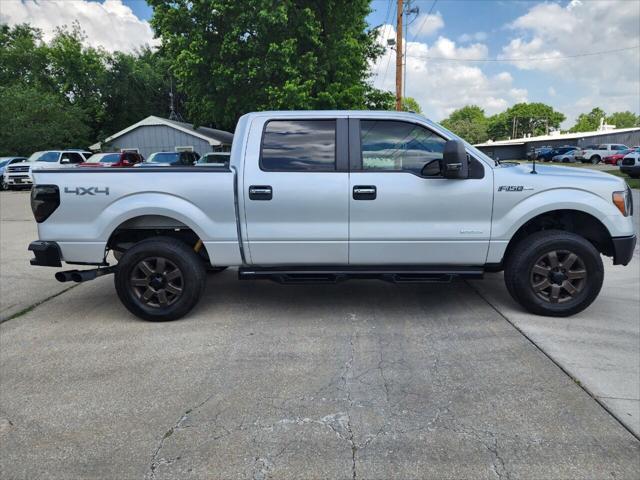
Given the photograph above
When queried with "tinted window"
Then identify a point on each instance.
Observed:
(164, 157)
(44, 157)
(398, 146)
(299, 145)
(104, 158)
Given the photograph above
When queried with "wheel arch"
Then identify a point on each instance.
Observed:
(571, 220)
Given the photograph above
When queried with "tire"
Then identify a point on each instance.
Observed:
(618, 163)
(3, 185)
(594, 160)
(166, 270)
(542, 288)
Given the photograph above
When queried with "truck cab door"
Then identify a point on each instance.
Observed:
(403, 216)
(295, 191)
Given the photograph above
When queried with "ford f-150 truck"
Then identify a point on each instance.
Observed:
(329, 195)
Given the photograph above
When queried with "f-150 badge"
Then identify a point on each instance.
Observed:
(513, 188)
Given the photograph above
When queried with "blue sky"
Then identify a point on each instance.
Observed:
(440, 73)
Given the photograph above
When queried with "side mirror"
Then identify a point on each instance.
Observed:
(455, 162)
(432, 168)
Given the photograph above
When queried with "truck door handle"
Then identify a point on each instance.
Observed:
(260, 192)
(364, 192)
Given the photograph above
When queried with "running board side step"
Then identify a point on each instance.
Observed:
(330, 275)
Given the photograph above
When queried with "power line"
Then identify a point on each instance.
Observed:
(384, 77)
(424, 21)
(532, 59)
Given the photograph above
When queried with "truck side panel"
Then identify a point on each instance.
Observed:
(202, 199)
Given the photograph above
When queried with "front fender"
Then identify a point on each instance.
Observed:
(508, 219)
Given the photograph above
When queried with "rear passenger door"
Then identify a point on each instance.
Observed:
(296, 191)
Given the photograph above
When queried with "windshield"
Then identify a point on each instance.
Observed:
(215, 158)
(104, 158)
(163, 157)
(44, 157)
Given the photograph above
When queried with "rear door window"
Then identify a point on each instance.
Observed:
(299, 145)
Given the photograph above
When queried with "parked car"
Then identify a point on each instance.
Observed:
(616, 158)
(566, 157)
(4, 163)
(214, 159)
(595, 153)
(631, 163)
(113, 159)
(170, 159)
(20, 174)
(408, 201)
(548, 155)
(536, 152)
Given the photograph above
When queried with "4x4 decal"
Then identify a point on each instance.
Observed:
(87, 190)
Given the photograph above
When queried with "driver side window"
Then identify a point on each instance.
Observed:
(391, 145)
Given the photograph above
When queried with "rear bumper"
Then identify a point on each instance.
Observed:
(623, 248)
(47, 254)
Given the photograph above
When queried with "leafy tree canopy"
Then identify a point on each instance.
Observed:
(65, 79)
(468, 122)
(524, 119)
(236, 57)
(588, 122)
(624, 119)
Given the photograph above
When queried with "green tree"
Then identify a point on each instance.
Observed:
(468, 122)
(33, 119)
(410, 104)
(523, 119)
(624, 119)
(588, 122)
(235, 57)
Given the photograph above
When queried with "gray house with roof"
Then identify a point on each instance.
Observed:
(156, 134)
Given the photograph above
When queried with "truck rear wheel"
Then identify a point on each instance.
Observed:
(160, 279)
(554, 273)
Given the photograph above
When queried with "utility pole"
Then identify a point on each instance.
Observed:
(399, 57)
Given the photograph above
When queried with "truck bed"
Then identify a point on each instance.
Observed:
(198, 198)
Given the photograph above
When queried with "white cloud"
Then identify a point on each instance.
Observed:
(441, 86)
(109, 24)
(552, 91)
(424, 25)
(473, 37)
(551, 30)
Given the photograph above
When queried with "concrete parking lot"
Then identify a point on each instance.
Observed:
(361, 380)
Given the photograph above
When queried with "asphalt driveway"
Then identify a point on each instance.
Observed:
(358, 380)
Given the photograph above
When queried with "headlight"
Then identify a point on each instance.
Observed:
(624, 202)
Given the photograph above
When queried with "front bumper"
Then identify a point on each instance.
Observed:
(18, 179)
(630, 169)
(47, 254)
(623, 248)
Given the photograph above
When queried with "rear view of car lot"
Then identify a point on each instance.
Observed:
(362, 378)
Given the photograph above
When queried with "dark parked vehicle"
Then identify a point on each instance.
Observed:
(113, 159)
(549, 154)
(4, 163)
(170, 159)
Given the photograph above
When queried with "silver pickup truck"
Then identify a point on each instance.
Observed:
(330, 195)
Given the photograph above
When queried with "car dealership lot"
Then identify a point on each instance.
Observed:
(358, 380)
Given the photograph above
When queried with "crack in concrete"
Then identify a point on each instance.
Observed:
(498, 466)
(155, 461)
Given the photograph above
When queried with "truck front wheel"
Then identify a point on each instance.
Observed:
(160, 279)
(554, 273)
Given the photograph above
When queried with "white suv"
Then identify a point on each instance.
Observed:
(595, 153)
(19, 174)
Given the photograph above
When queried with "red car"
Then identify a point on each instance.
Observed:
(616, 159)
(113, 159)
